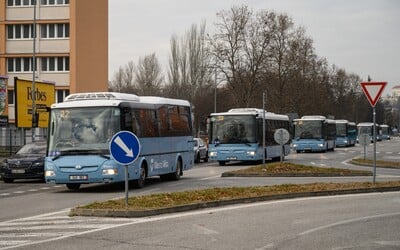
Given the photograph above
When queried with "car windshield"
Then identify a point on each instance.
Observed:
(32, 148)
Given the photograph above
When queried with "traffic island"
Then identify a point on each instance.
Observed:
(155, 204)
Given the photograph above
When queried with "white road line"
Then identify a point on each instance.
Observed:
(366, 218)
(18, 192)
(211, 177)
(5, 194)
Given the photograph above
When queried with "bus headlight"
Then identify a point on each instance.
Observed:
(110, 171)
(294, 145)
(251, 153)
(321, 145)
(213, 154)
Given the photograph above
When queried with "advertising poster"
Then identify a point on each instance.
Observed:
(44, 96)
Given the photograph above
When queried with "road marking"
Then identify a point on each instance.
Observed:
(365, 218)
(211, 177)
(5, 194)
(18, 192)
(96, 224)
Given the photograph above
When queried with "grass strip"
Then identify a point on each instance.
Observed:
(291, 169)
(166, 200)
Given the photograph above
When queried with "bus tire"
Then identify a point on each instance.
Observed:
(222, 163)
(139, 183)
(178, 171)
(73, 186)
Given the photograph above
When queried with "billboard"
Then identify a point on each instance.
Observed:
(45, 96)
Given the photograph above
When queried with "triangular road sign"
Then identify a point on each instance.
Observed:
(373, 91)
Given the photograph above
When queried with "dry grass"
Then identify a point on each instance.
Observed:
(165, 200)
(291, 169)
(379, 163)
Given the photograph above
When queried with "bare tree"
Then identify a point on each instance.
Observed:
(123, 80)
(240, 47)
(148, 75)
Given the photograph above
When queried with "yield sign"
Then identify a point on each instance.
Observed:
(373, 91)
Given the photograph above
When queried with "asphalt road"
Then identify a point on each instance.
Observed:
(31, 211)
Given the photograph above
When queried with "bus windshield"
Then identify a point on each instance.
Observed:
(82, 129)
(308, 129)
(341, 129)
(233, 129)
(365, 130)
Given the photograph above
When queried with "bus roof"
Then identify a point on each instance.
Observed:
(95, 99)
(365, 124)
(252, 111)
(315, 118)
(342, 121)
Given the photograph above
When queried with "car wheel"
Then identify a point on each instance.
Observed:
(197, 160)
(73, 186)
(8, 180)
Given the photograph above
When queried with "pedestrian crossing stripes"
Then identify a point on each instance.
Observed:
(49, 227)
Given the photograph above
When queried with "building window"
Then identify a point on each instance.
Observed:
(10, 96)
(54, 2)
(20, 2)
(20, 64)
(20, 31)
(57, 30)
(61, 94)
(50, 64)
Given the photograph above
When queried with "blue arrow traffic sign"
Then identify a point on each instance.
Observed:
(125, 147)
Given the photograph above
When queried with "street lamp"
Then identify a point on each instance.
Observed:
(33, 94)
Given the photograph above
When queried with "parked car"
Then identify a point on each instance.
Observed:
(27, 163)
(200, 150)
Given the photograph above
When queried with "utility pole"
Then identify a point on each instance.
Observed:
(34, 117)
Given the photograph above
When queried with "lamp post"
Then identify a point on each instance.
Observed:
(33, 94)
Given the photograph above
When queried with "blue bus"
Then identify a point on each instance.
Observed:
(368, 128)
(237, 135)
(384, 131)
(346, 133)
(80, 129)
(314, 134)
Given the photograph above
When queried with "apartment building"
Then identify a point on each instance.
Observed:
(69, 44)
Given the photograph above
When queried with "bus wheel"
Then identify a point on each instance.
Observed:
(177, 174)
(139, 183)
(73, 186)
(222, 163)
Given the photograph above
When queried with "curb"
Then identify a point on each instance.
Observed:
(184, 208)
(228, 174)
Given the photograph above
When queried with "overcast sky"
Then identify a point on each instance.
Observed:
(361, 36)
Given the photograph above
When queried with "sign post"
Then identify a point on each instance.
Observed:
(125, 149)
(373, 90)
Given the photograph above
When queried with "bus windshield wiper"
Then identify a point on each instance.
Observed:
(82, 152)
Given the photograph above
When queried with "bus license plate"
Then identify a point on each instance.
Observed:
(18, 171)
(78, 177)
(232, 158)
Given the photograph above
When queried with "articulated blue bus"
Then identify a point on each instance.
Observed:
(80, 129)
(237, 135)
(314, 134)
(346, 133)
